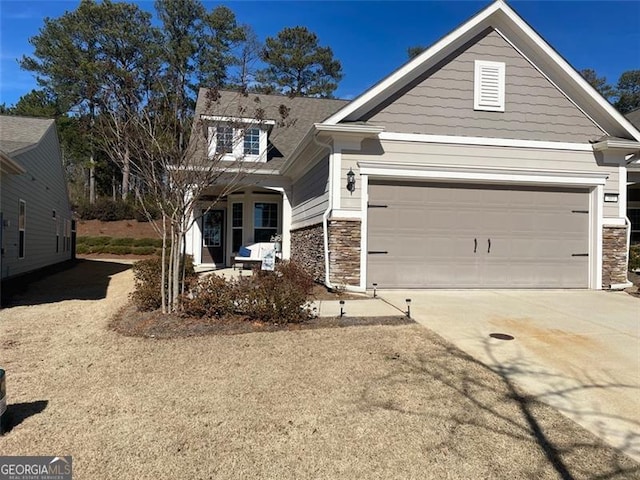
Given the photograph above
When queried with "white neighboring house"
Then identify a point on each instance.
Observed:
(35, 215)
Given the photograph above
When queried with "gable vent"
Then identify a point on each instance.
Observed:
(489, 86)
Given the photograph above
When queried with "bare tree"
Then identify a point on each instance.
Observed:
(172, 175)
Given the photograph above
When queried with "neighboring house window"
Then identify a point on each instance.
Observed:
(489, 89)
(22, 224)
(57, 227)
(265, 221)
(236, 227)
(252, 141)
(224, 140)
(68, 235)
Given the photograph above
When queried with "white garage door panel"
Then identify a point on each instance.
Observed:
(424, 235)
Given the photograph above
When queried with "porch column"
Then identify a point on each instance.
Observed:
(286, 223)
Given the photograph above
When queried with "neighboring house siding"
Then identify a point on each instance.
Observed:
(441, 102)
(43, 188)
(476, 156)
(311, 195)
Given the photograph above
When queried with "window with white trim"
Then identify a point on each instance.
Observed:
(231, 142)
(265, 221)
(236, 227)
(489, 86)
(22, 227)
(224, 140)
(252, 141)
(56, 226)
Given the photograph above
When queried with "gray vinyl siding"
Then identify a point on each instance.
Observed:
(441, 102)
(44, 189)
(311, 194)
(397, 152)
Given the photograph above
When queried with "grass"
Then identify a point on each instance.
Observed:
(369, 402)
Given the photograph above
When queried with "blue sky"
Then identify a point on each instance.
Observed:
(371, 38)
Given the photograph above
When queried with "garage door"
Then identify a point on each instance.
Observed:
(477, 236)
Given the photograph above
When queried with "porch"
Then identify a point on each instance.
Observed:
(222, 224)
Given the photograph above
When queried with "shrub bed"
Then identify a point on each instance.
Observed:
(634, 257)
(146, 273)
(119, 246)
(276, 297)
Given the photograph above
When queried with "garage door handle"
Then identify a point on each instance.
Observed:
(377, 252)
(475, 245)
(489, 245)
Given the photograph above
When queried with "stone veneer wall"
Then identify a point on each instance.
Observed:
(344, 252)
(307, 249)
(614, 255)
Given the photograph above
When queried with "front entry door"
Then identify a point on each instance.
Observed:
(213, 237)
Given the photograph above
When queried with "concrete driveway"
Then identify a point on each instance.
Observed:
(578, 351)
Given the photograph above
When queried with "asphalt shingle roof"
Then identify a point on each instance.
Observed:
(634, 118)
(303, 112)
(17, 133)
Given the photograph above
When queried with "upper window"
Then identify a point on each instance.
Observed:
(224, 140)
(489, 78)
(252, 141)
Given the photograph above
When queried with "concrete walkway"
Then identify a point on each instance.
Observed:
(578, 351)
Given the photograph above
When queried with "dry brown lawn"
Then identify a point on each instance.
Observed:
(363, 402)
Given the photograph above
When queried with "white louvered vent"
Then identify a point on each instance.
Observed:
(489, 86)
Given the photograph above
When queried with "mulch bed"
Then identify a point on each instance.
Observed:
(130, 322)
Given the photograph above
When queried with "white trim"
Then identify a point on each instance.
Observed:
(489, 76)
(621, 144)
(479, 175)
(613, 222)
(23, 229)
(364, 229)
(10, 166)
(346, 214)
(485, 141)
(595, 235)
(252, 121)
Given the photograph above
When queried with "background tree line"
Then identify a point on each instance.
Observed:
(105, 60)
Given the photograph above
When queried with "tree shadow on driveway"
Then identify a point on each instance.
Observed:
(78, 280)
(480, 421)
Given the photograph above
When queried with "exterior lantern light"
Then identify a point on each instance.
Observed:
(351, 181)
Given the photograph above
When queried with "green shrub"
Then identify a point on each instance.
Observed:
(148, 242)
(82, 249)
(92, 241)
(122, 241)
(634, 257)
(211, 297)
(143, 250)
(118, 249)
(106, 209)
(147, 275)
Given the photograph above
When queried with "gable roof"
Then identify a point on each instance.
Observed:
(20, 133)
(634, 117)
(530, 45)
(303, 112)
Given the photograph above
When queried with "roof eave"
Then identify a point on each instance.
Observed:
(9, 166)
(617, 144)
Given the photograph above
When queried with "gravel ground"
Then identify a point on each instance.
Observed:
(364, 402)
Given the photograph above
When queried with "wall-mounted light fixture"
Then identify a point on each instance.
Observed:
(351, 181)
(611, 197)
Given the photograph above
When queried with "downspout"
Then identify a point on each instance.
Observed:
(325, 215)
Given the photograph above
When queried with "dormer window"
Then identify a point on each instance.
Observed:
(252, 141)
(489, 78)
(238, 138)
(224, 140)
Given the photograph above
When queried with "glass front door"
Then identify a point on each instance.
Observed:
(213, 237)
